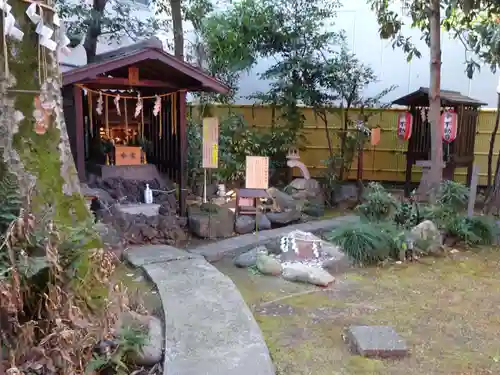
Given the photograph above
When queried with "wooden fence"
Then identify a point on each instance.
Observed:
(384, 162)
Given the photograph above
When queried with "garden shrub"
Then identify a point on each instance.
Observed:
(378, 204)
(367, 243)
(475, 230)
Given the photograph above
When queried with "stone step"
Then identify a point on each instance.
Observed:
(209, 329)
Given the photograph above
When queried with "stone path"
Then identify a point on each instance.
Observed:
(209, 329)
(237, 245)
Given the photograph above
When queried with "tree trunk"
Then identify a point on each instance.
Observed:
(94, 30)
(436, 171)
(176, 10)
(492, 146)
(42, 164)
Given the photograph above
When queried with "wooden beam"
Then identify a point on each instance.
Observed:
(183, 152)
(117, 81)
(79, 132)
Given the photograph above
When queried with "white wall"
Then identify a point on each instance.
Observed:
(361, 27)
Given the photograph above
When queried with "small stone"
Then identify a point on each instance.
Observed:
(249, 258)
(376, 341)
(268, 265)
(244, 224)
(307, 274)
(263, 222)
(152, 351)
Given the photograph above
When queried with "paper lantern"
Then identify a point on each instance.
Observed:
(405, 125)
(449, 125)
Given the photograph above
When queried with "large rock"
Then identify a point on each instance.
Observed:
(263, 222)
(268, 265)
(152, 328)
(210, 221)
(249, 258)
(426, 237)
(307, 274)
(282, 201)
(311, 187)
(284, 218)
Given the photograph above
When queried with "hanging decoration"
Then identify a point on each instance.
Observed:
(41, 117)
(160, 120)
(99, 104)
(9, 22)
(405, 125)
(126, 121)
(107, 118)
(91, 115)
(157, 106)
(375, 136)
(173, 110)
(116, 100)
(449, 125)
(423, 114)
(138, 106)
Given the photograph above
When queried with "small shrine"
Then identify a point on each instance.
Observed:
(126, 113)
(459, 114)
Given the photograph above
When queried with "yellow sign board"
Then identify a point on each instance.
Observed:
(210, 142)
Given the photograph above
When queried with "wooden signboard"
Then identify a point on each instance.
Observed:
(210, 142)
(257, 172)
(133, 75)
(375, 136)
(128, 155)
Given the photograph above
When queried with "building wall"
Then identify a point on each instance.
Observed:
(384, 162)
(390, 65)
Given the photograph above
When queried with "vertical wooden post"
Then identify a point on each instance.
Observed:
(473, 190)
(182, 121)
(79, 132)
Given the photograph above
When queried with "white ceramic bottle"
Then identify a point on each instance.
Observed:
(148, 195)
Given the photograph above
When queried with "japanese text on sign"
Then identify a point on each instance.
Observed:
(257, 172)
(210, 142)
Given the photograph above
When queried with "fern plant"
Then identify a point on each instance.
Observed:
(10, 200)
(378, 204)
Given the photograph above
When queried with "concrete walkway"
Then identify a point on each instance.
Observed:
(237, 245)
(209, 330)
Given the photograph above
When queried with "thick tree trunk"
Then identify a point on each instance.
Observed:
(176, 9)
(42, 164)
(94, 30)
(436, 171)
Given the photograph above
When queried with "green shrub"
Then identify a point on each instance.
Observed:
(367, 243)
(10, 201)
(475, 230)
(379, 204)
(453, 195)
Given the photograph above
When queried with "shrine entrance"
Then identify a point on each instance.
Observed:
(126, 112)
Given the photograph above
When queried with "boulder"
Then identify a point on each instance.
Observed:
(314, 209)
(307, 274)
(426, 237)
(152, 327)
(268, 265)
(282, 201)
(210, 221)
(244, 224)
(249, 258)
(284, 218)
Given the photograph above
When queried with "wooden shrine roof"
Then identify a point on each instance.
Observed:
(154, 64)
(420, 98)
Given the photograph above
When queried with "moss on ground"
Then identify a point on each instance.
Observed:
(445, 308)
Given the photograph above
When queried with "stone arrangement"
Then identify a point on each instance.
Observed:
(375, 341)
(296, 256)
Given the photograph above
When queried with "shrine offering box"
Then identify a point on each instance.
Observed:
(128, 155)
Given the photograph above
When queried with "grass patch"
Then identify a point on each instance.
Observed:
(445, 308)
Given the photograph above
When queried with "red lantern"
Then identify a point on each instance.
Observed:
(405, 125)
(449, 125)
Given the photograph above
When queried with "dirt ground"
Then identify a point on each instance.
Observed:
(446, 309)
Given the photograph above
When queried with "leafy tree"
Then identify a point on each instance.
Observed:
(473, 22)
(112, 19)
